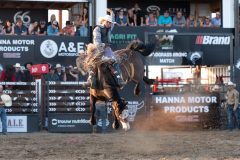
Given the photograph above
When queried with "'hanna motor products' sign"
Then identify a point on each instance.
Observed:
(186, 107)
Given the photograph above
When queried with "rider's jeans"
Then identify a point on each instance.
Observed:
(3, 119)
(233, 117)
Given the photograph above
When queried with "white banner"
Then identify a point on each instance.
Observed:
(16, 124)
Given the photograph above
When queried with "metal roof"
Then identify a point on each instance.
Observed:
(40, 4)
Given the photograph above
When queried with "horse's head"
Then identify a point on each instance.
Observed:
(139, 46)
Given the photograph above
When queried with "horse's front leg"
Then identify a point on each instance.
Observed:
(92, 110)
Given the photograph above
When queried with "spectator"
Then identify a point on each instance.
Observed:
(2, 31)
(121, 19)
(4, 101)
(52, 19)
(83, 30)
(84, 16)
(201, 21)
(216, 21)
(179, 20)
(42, 28)
(51, 76)
(151, 20)
(232, 106)
(130, 18)
(68, 30)
(70, 75)
(207, 22)
(19, 73)
(8, 76)
(139, 17)
(1, 71)
(33, 28)
(52, 29)
(191, 22)
(8, 28)
(27, 75)
(59, 72)
(78, 22)
(165, 20)
(19, 28)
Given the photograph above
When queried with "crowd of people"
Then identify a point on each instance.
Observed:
(18, 73)
(79, 27)
(136, 17)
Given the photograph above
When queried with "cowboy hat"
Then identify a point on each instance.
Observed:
(17, 65)
(231, 83)
(58, 66)
(7, 100)
(106, 18)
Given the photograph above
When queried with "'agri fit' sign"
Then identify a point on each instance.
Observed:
(186, 107)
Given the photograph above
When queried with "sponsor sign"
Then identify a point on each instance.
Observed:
(69, 123)
(213, 40)
(187, 107)
(41, 49)
(16, 124)
(39, 69)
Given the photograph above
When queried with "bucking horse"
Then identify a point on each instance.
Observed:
(132, 69)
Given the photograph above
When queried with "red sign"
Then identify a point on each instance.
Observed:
(39, 69)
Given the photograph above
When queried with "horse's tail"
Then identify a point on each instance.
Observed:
(148, 49)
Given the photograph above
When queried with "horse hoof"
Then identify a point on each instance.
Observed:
(93, 121)
(125, 125)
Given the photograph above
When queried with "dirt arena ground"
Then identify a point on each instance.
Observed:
(136, 144)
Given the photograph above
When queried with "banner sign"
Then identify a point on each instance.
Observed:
(16, 124)
(69, 123)
(41, 49)
(187, 107)
(176, 49)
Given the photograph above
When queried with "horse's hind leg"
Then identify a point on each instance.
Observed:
(115, 124)
(92, 110)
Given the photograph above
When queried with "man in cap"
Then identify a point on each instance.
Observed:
(3, 112)
(53, 29)
(216, 21)
(19, 73)
(232, 106)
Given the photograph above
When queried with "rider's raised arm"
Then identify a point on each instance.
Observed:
(97, 35)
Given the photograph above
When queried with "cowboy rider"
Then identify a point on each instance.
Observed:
(102, 40)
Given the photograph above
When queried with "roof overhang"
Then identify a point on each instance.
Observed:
(40, 4)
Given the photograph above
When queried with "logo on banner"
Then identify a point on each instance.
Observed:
(48, 48)
(23, 16)
(16, 124)
(238, 64)
(133, 107)
(213, 40)
(166, 41)
(196, 57)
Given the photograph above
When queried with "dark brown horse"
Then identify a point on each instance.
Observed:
(132, 67)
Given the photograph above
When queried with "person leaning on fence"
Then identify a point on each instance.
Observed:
(232, 106)
(5, 101)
